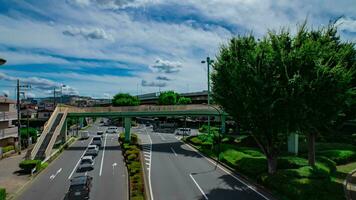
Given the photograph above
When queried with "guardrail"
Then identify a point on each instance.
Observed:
(8, 132)
(5, 116)
(45, 131)
(143, 108)
(56, 133)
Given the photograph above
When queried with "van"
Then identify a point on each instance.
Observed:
(183, 131)
(83, 135)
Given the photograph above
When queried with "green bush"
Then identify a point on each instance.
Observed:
(290, 187)
(196, 141)
(252, 166)
(28, 165)
(2, 194)
(291, 162)
(327, 162)
(339, 156)
(316, 172)
(8, 148)
(132, 157)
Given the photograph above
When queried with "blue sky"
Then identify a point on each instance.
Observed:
(100, 47)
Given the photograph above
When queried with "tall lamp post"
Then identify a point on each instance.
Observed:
(208, 62)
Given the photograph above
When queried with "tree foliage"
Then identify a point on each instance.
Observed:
(123, 99)
(284, 83)
(184, 100)
(168, 98)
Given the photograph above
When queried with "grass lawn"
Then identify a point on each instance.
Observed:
(294, 179)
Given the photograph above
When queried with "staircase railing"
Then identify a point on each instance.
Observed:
(56, 133)
(45, 131)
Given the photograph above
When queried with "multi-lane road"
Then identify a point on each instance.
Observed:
(177, 172)
(109, 174)
(173, 170)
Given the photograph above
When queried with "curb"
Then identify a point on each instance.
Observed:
(346, 182)
(244, 178)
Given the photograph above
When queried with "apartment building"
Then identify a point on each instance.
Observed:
(8, 117)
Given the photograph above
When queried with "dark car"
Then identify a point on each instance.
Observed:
(96, 141)
(83, 167)
(79, 188)
(91, 152)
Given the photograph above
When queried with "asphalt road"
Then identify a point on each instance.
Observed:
(109, 174)
(178, 172)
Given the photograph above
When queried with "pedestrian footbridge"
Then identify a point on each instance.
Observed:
(56, 127)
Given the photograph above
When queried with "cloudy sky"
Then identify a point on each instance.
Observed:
(100, 47)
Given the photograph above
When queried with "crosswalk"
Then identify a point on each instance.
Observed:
(147, 153)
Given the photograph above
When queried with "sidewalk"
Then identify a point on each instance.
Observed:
(10, 175)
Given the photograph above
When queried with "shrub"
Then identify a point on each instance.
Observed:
(2, 194)
(291, 162)
(8, 148)
(316, 172)
(196, 141)
(339, 156)
(252, 166)
(327, 162)
(28, 165)
(132, 157)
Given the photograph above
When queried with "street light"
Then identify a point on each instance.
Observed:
(208, 62)
(2, 61)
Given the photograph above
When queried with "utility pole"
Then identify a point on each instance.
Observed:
(18, 115)
(54, 97)
(208, 63)
(18, 87)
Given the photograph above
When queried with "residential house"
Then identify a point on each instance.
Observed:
(8, 117)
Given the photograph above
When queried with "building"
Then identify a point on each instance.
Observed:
(28, 113)
(8, 117)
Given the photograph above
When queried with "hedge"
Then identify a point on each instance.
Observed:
(28, 165)
(339, 156)
(8, 148)
(2, 194)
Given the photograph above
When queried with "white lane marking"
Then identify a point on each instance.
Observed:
(75, 167)
(102, 158)
(162, 138)
(202, 192)
(174, 151)
(149, 168)
(230, 173)
(86, 173)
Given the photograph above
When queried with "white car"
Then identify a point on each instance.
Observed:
(94, 147)
(112, 130)
(84, 135)
(87, 159)
(183, 131)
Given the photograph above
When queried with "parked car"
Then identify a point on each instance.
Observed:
(80, 187)
(99, 132)
(91, 152)
(112, 129)
(83, 135)
(97, 141)
(183, 131)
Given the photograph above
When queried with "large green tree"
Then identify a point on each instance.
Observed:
(123, 99)
(280, 84)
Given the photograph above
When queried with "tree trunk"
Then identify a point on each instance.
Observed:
(272, 164)
(311, 149)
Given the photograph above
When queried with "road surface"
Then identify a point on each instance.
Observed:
(178, 172)
(109, 174)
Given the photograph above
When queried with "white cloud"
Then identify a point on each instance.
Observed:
(166, 66)
(88, 33)
(346, 24)
(145, 83)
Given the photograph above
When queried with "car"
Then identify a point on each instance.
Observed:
(85, 166)
(183, 131)
(87, 159)
(80, 187)
(93, 147)
(96, 141)
(84, 135)
(111, 129)
(99, 132)
(91, 152)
